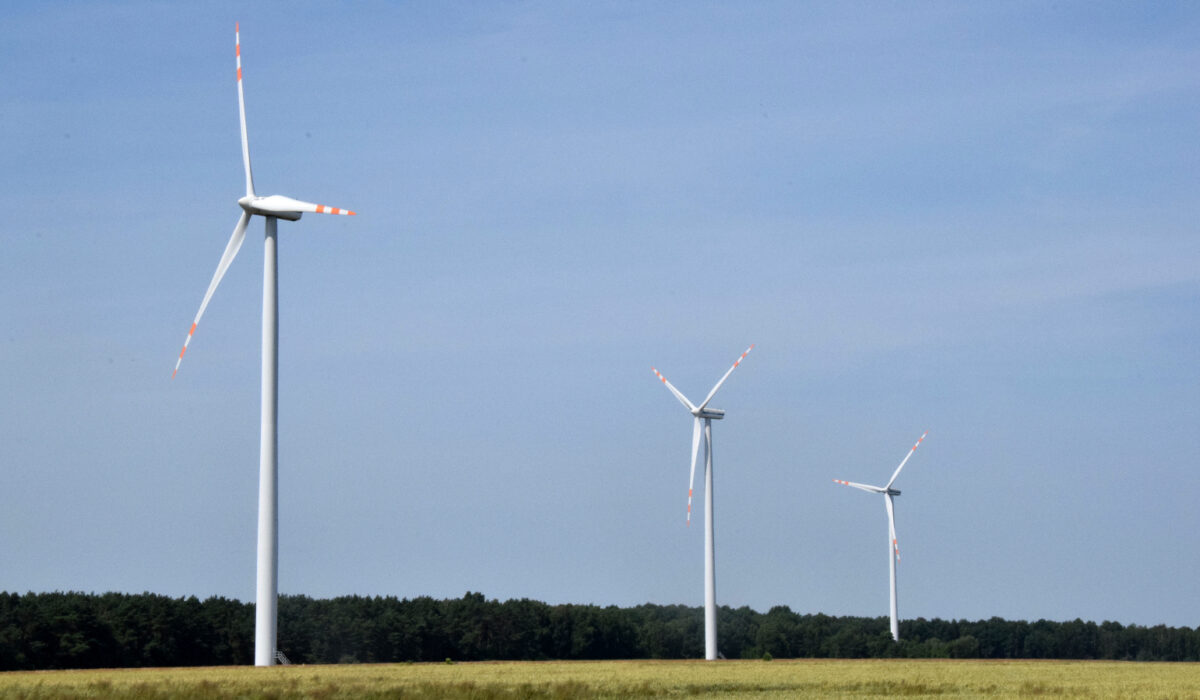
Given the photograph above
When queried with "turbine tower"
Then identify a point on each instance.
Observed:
(704, 414)
(272, 209)
(893, 548)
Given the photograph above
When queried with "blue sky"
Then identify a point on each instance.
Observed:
(973, 219)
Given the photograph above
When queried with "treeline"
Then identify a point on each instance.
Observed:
(77, 630)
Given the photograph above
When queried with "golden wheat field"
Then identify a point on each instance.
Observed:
(629, 679)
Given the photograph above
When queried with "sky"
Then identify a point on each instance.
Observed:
(973, 219)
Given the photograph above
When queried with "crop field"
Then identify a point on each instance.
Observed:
(628, 679)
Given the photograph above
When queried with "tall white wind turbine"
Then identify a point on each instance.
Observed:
(272, 209)
(703, 416)
(893, 548)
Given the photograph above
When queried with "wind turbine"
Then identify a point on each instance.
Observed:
(272, 209)
(707, 415)
(893, 548)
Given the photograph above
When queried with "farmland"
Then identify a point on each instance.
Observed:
(629, 679)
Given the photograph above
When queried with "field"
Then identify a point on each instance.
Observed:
(629, 679)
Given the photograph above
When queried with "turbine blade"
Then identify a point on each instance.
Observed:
(237, 36)
(692, 478)
(718, 386)
(231, 251)
(323, 209)
(910, 454)
(287, 205)
(891, 509)
(682, 399)
(864, 487)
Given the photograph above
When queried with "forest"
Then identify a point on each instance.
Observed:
(113, 630)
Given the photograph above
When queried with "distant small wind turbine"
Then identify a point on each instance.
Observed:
(272, 208)
(707, 415)
(893, 548)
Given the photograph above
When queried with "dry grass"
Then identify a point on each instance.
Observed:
(628, 679)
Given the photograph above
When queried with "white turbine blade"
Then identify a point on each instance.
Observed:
(891, 510)
(237, 36)
(231, 251)
(910, 454)
(287, 205)
(692, 478)
(718, 385)
(682, 399)
(864, 487)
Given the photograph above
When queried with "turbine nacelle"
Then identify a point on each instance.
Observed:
(254, 205)
(709, 413)
(887, 490)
